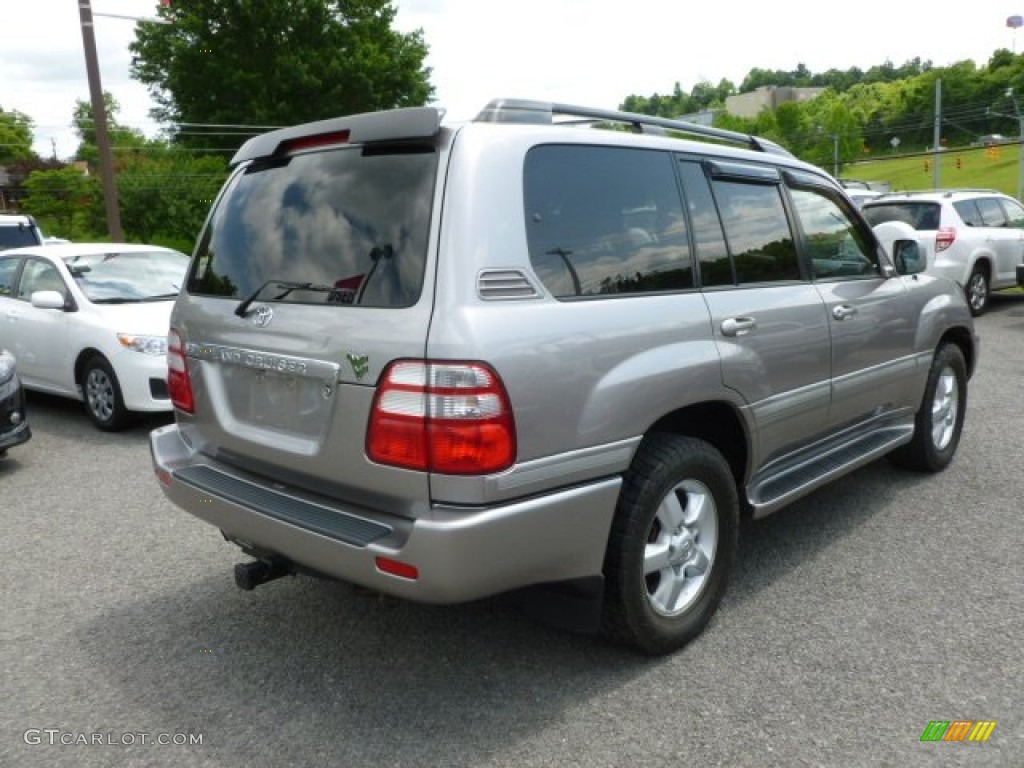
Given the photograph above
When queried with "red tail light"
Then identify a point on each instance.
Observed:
(178, 382)
(312, 142)
(944, 238)
(453, 418)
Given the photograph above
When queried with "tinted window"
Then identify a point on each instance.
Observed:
(708, 238)
(757, 231)
(836, 246)
(991, 212)
(8, 268)
(921, 216)
(19, 236)
(1014, 213)
(352, 223)
(969, 213)
(602, 220)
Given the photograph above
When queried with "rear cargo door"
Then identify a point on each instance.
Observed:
(309, 278)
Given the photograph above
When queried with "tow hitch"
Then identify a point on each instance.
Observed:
(248, 576)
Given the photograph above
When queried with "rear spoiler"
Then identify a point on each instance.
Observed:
(391, 125)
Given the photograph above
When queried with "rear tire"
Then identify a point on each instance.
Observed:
(672, 544)
(977, 291)
(102, 394)
(940, 419)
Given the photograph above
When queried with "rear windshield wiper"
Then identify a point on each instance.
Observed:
(288, 286)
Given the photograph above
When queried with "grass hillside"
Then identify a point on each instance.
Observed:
(979, 167)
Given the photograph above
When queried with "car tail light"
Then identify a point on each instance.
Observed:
(447, 417)
(179, 385)
(944, 238)
(312, 142)
(398, 568)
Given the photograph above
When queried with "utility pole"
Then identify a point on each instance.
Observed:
(835, 155)
(937, 135)
(99, 115)
(1020, 142)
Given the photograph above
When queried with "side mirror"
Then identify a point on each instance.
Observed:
(47, 300)
(907, 256)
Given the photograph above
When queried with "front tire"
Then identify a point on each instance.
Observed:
(102, 394)
(940, 419)
(672, 544)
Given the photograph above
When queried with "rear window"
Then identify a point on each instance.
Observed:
(345, 227)
(921, 216)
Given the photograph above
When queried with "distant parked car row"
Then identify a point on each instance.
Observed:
(89, 321)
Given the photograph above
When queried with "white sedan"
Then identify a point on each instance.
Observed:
(90, 321)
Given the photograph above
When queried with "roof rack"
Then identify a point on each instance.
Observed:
(944, 191)
(544, 112)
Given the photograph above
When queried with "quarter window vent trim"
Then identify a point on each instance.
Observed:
(504, 285)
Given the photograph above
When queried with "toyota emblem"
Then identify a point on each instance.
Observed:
(263, 317)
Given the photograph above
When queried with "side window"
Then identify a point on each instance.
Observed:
(8, 269)
(1014, 213)
(40, 276)
(991, 212)
(969, 212)
(836, 246)
(757, 231)
(605, 221)
(708, 238)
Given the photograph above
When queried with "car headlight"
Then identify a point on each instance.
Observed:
(148, 345)
(6, 365)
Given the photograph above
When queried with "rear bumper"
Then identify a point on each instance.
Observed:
(460, 554)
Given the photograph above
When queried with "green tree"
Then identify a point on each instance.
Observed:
(165, 194)
(60, 199)
(15, 137)
(121, 137)
(253, 62)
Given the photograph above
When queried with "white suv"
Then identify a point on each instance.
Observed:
(972, 236)
(18, 231)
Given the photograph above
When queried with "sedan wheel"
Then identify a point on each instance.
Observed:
(103, 401)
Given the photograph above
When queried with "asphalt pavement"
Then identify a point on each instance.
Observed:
(855, 618)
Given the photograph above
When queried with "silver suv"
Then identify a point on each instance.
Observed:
(972, 236)
(449, 361)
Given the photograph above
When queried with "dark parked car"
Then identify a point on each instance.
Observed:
(13, 423)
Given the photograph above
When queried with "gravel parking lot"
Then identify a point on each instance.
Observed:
(855, 618)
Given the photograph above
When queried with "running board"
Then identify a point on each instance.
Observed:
(799, 477)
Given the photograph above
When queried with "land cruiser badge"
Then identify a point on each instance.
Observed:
(360, 364)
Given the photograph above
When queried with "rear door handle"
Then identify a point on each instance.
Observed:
(843, 311)
(738, 326)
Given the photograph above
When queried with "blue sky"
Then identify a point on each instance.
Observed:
(593, 52)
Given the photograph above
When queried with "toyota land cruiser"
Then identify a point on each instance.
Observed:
(446, 361)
